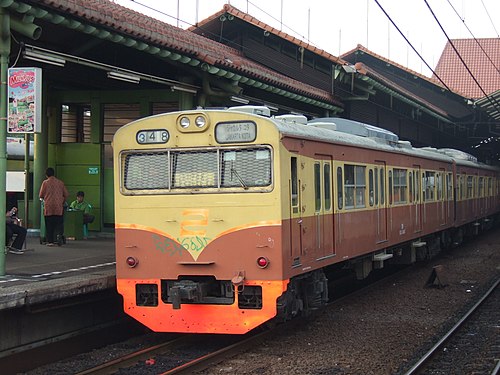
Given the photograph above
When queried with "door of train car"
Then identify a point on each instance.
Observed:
(323, 208)
(295, 212)
(380, 200)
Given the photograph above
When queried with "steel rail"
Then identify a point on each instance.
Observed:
(436, 346)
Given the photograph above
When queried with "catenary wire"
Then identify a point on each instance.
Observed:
(492, 100)
(488, 13)
(411, 45)
(475, 39)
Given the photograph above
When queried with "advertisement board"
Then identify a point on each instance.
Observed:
(24, 113)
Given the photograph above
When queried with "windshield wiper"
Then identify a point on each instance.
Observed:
(239, 178)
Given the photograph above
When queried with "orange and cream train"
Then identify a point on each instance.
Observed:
(226, 219)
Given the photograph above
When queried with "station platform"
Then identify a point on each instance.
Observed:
(44, 274)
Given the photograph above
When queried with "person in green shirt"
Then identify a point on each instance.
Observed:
(80, 205)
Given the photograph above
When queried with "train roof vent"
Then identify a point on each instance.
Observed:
(405, 144)
(253, 109)
(292, 119)
(458, 154)
(427, 148)
(354, 127)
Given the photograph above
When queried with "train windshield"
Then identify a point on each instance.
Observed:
(163, 171)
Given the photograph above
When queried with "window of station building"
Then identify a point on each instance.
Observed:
(340, 191)
(355, 186)
(75, 123)
(308, 58)
(273, 42)
(323, 66)
(289, 50)
(327, 185)
(429, 185)
(117, 115)
(400, 186)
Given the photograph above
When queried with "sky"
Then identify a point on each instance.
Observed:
(339, 26)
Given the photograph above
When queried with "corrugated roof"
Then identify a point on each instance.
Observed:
(152, 31)
(483, 64)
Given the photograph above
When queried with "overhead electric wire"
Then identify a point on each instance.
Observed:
(475, 39)
(490, 99)
(411, 45)
(488, 13)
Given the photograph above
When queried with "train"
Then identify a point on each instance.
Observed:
(229, 219)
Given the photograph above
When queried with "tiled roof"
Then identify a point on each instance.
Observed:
(229, 9)
(139, 26)
(421, 89)
(363, 49)
(452, 71)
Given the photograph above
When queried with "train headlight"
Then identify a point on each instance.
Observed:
(132, 262)
(200, 121)
(184, 122)
(262, 262)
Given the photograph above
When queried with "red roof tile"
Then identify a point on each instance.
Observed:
(150, 30)
(229, 9)
(452, 71)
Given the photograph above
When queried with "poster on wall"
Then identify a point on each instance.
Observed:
(25, 100)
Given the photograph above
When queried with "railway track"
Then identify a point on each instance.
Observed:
(190, 353)
(471, 345)
(182, 355)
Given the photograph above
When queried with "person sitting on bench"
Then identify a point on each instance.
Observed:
(13, 226)
(80, 205)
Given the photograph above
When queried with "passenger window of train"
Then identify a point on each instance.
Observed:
(194, 169)
(449, 186)
(463, 189)
(382, 186)
(416, 181)
(376, 186)
(390, 188)
(481, 187)
(340, 194)
(429, 185)
(410, 187)
(354, 185)
(294, 183)
(317, 187)
(400, 186)
(327, 186)
(246, 167)
(371, 192)
(470, 187)
(439, 186)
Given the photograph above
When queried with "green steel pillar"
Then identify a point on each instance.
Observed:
(4, 62)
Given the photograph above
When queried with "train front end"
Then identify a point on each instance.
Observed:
(198, 223)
